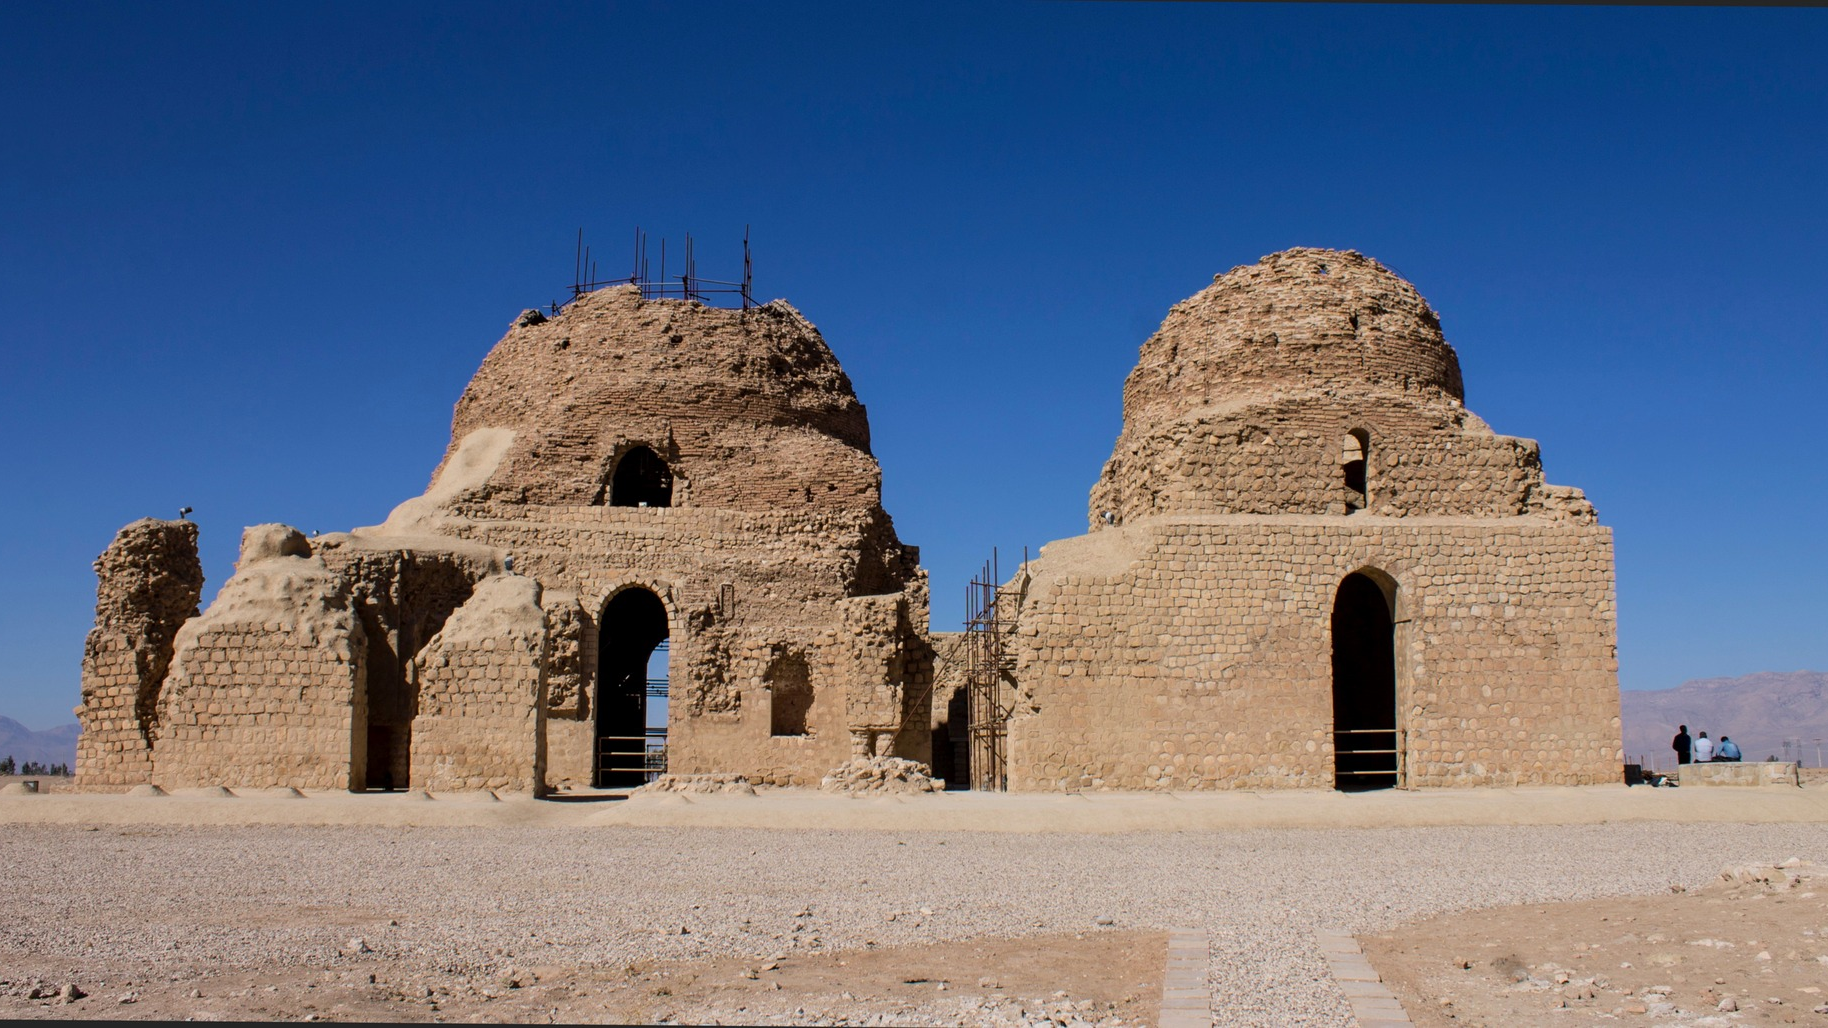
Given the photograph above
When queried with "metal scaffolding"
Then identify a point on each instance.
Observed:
(989, 622)
(685, 286)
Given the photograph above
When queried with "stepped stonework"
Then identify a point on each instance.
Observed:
(1309, 564)
(628, 478)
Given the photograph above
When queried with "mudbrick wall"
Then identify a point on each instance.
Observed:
(457, 645)
(1187, 641)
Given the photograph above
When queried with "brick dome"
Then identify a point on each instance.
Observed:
(748, 408)
(1300, 321)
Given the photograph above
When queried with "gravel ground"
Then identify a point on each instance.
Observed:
(472, 901)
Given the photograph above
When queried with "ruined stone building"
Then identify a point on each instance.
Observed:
(627, 478)
(656, 541)
(1308, 564)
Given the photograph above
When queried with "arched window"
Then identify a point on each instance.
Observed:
(790, 695)
(1352, 463)
(641, 479)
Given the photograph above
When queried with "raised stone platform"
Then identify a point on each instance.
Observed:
(1751, 772)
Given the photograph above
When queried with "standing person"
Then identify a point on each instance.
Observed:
(1729, 750)
(1704, 749)
(1680, 744)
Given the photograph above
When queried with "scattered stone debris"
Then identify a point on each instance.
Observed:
(881, 774)
(731, 784)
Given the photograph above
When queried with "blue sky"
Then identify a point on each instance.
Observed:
(251, 254)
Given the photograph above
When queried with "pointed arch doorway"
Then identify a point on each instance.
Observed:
(631, 677)
(1366, 744)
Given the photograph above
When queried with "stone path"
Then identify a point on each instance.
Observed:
(1186, 997)
(1372, 1003)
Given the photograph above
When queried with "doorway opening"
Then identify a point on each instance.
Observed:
(632, 675)
(1366, 750)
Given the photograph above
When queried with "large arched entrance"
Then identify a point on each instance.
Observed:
(1365, 741)
(631, 671)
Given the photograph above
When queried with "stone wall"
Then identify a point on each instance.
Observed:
(1285, 458)
(1195, 653)
(480, 722)
(1736, 773)
(149, 581)
(268, 686)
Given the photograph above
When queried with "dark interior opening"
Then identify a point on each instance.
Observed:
(1354, 464)
(380, 757)
(1355, 477)
(390, 701)
(628, 752)
(1364, 687)
(642, 479)
(952, 743)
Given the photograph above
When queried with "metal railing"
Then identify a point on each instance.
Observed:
(1395, 744)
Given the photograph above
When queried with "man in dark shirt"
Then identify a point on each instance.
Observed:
(1680, 744)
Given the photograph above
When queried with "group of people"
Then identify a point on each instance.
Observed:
(1702, 750)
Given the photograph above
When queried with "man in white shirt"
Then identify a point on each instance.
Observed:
(1704, 749)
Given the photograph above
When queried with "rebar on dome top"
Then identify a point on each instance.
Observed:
(687, 285)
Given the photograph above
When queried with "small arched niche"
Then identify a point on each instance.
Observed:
(1354, 461)
(641, 479)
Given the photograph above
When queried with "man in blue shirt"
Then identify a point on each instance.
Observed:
(1729, 750)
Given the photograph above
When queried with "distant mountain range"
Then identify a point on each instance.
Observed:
(51, 746)
(1761, 712)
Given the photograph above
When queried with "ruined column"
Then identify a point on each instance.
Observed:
(149, 581)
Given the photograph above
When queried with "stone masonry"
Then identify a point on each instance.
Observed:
(712, 464)
(1307, 565)
(1299, 422)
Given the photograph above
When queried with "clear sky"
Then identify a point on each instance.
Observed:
(251, 253)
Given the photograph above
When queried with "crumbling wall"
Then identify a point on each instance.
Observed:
(267, 687)
(482, 693)
(890, 709)
(149, 581)
(775, 523)
(402, 591)
(570, 680)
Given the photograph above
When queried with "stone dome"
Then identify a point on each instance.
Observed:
(1297, 322)
(747, 408)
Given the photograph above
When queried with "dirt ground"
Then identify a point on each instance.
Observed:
(1110, 977)
(1749, 949)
